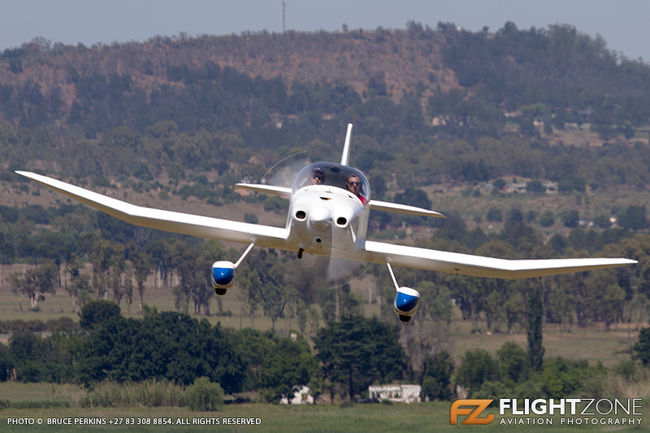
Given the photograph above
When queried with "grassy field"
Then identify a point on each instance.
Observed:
(414, 418)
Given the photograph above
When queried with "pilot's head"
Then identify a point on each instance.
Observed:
(353, 184)
(317, 176)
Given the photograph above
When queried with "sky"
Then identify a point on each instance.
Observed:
(623, 24)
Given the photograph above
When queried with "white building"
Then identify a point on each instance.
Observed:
(396, 393)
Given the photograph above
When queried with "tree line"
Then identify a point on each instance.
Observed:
(124, 260)
(348, 356)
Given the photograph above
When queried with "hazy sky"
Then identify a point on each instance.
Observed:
(623, 23)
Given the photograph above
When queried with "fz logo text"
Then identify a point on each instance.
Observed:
(472, 408)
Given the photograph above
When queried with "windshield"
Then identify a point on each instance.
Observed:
(333, 174)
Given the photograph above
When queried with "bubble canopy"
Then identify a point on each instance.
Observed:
(331, 174)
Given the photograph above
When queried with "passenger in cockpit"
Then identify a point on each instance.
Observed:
(353, 185)
(317, 176)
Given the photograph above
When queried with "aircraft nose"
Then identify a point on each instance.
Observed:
(320, 219)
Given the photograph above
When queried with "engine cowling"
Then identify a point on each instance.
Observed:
(222, 276)
(406, 303)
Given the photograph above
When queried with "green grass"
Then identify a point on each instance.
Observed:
(414, 418)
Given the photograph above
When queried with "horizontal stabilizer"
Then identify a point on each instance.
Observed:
(403, 209)
(280, 191)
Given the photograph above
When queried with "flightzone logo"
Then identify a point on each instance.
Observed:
(565, 411)
(473, 416)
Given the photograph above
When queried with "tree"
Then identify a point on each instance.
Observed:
(476, 367)
(494, 215)
(96, 313)
(535, 187)
(436, 376)
(357, 351)
(189, 274)
(102, 257)
(642, 347)
(273, 290)
(35, 282)
(534, 328)
(79, 286)
(634, 218)
(603, 297)
(288, 369)
(547, 219)
(570, 218)
(166, 345)
(142, 268)
(513, 362)
(6, 363)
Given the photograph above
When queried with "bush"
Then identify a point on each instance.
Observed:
(477, 367)
(493, 389)
(626, 369)
(205, 395)
(94, 313)
(529, 389)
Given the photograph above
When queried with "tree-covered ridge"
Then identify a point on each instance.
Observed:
(509, 68)
(352, 58)
(464, 106)
(557, 66)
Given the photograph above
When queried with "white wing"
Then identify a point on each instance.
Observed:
(403, 209)
(279, 191)
(177, 222)
(478, 266)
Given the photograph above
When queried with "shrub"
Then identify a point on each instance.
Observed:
(528, 389)
(477, 367)
(493, 389)
(95, 313)
(205, 395)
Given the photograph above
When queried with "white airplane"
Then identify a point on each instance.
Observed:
(328, 215)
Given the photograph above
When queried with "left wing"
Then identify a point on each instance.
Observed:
(280, 191)
(177, 222)
(478, 266)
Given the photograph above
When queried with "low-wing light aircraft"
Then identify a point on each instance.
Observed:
(328, 215)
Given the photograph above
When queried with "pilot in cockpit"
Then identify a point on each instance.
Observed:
(317, 176)
(353, 185)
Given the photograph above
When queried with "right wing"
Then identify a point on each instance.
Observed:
(478, 266)
(177, 222)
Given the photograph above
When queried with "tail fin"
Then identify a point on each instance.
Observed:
(346, 147)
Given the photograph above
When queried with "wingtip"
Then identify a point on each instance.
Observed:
(23, 173)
